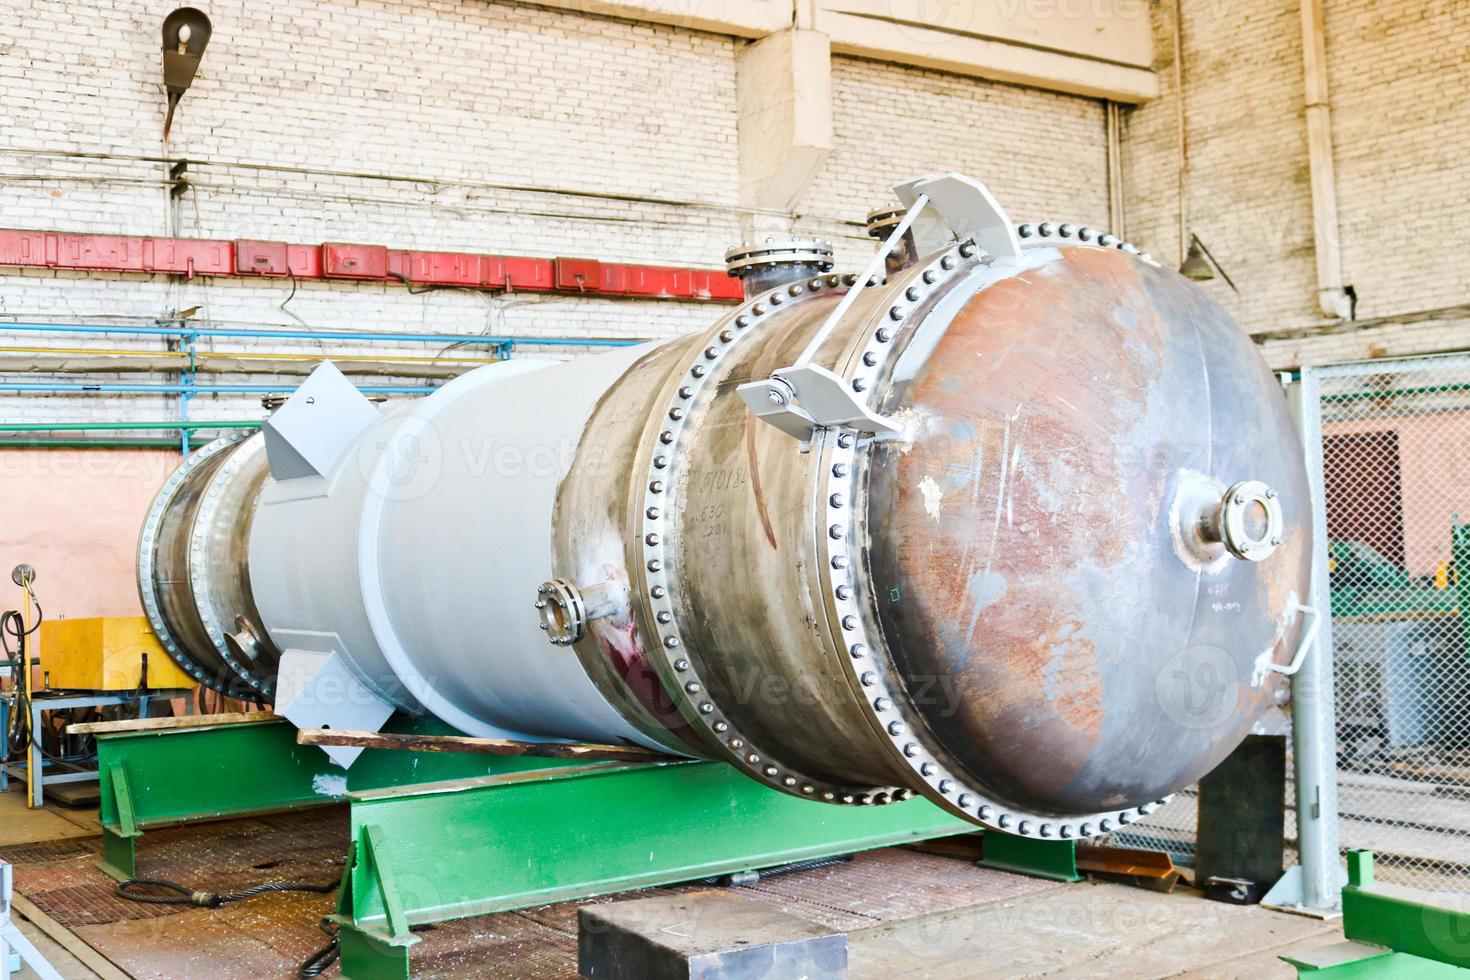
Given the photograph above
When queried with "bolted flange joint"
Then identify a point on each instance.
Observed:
(562, 611)
(1249, 521)
(565, 609)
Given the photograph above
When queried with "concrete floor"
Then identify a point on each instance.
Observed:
(1087, 930)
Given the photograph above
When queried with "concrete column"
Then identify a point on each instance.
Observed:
(784, 94)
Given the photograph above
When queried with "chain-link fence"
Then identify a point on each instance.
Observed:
(1395, 440)
(1173, 828)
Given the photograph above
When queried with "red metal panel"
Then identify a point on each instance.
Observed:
(492, 272)
(530, 274)
(110, 253)
(337, 260)
(436, 268)
(578, 275)
(718, 285)
(613, 279)
(399, 265)
(24, 248)
(343, 261)
(189, 256)
(304, 261)
(638, 281)
(256, 258)
(649, 280)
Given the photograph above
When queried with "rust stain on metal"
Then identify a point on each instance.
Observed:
(763, 367)
(1042, 432)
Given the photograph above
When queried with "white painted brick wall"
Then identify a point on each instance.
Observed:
(1044, 155)
(460, 101)
(468, 96)
(1398, 73)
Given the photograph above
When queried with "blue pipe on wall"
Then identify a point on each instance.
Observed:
(187, 389)
(502, 343)
(180, 389)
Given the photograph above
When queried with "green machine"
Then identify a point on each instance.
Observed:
(437, 835)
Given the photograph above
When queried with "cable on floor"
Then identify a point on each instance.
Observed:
(183, 895)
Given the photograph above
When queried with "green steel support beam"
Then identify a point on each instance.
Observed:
(437, 836)
(1354, 961)
(1403, 919)
(467, 847)
(1392, 932)
(365, 957)
(163, 777)
(119, 857)
(1056, 860)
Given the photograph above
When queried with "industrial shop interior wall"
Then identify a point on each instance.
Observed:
(1246, 184)
(519, 129)
(619, 139)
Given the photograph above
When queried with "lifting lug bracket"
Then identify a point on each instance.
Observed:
(804, 397)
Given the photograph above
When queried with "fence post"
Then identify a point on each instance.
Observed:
(1314, 887)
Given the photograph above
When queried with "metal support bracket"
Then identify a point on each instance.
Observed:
(372, 953)
(376, 868)
(119, 834)
(803, 397)
(1054, 859)
(961, 207)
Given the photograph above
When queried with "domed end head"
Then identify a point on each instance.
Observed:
(1101, 525)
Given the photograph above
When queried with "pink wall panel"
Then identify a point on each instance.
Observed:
(1434, 461)
(74, 514)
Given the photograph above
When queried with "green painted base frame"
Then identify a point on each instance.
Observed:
(437, 836)
(158, 778)
(1056, 860)
(1391, 932)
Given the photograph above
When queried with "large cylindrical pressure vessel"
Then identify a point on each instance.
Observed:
(1041, 575)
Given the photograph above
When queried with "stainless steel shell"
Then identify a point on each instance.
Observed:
(992, 610)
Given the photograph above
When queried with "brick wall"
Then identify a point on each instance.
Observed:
(1396, 71)
(453, 125)
(442, 107)
(1044, 155)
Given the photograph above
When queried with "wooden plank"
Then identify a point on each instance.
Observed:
(165, 724)
(965, 847)
(67, 940)
(583, 751)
